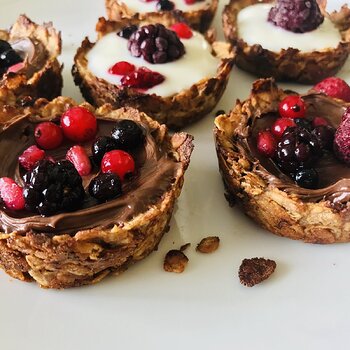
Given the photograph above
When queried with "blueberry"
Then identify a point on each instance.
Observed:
(9, 58)
(128, 134)
(102, 145)
(127, 31)
(165, 5)
(307, 177)
(105, 187)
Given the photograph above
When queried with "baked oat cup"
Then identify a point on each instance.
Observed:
(266, 194)
(177, 109)
(288, 64)
(198, 14)
(80, 247)
(37, 72)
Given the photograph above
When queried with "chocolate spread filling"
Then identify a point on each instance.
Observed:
(156, 171)
(334, 176)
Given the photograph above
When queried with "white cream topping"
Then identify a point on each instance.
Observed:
(151, 6)
(254, 28)
(196, 64)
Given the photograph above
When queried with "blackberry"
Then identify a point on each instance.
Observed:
(297, 148)
(298, 16)
(127, 31)
(53, 187)
(307, 178)
(105, 187)
(156, 44)
(165, 5)
(127, 134)
(102, 145)
(325, 136)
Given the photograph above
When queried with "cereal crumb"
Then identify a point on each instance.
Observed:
(208, 244)
(255, 270)
(185, 246)
(175, 261)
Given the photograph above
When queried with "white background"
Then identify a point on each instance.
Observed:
(304, 305)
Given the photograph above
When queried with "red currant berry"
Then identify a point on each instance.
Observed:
(11, 194)
(266, 143)
(121, 68)
(280, 125)
(30, 156)
(292, 106)
(79, 124)
(319, 121)
(79, 158)
(118, 162)
(182, 30)
(48, 135)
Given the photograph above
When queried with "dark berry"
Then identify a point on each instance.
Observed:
(165, 5)
(9, 58)
(11, 194)
(298, 16)
(319, 121)
(4, 46)
(101, 146)
(118, 162)
(79, 124)
(325, 136)
(156, 44)
(48, 135)
(182, 30)
(303, 122)
(142, 78)
(266, 143)
(292, 106)
(105, 187)
(127, 31)
(307, 178)
(280, 125)
(127, 134)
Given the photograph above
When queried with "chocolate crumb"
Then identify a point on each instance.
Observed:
(175, 261)
(255, 270)
(208, 245)
(185, 246)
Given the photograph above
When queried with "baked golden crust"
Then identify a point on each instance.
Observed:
(175, 111)
(289, 64)
(280, 211)
(199, 20)
(86, 257)
(45, 81)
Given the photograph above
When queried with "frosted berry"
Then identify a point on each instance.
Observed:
(105, 187)
(79, 124)
(266, 143)
(118, 162)
(292, 106)
(11, 194)
(182, 30)
(127, 134)
(30, 156)
(280, 125)
(121, 68)
(319, 121)
(142, 78)
(342, 139)
(79, 158)
(334, 87)
(48, 135)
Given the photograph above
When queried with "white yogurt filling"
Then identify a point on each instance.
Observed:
(254, 28)
(196, 64)
(151, 6)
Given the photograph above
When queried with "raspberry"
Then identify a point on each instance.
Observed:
(298, 16)
(105, 187)
(118, 162)
(266, 143)
(182, 30)
(11, 194)
(79, 158)
(156, 44)
(334, 87)
(30, 156)
(342, 139)
(48, 135)
(292, 106)
(121, 68)
(79, 124)
(280, 125)
(142, 78)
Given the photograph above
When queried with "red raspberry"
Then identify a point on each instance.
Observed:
(266, 143)
(182, 30)
(317, 121)
(334, 87)
(118, 162)
(30, 156)
(293, 107)
(142, 78)
(121, 68)
(11, 194)
(280, 125)
(48, 135)
(79, 158)
(79, 124)
(341, 143)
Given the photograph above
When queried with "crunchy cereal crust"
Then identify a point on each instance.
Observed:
(46, 82)
(62, 261)
(199, 19)
(175, 111)
(314, 222)
(290, 64)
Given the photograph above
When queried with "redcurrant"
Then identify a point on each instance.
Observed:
(118, 162)
(48, 135)
(280, 125)
(182, 30)
(292, 106)
(266, 143)
(121, 68)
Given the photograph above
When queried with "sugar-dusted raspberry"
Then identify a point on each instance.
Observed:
(79, 158)
(342, 139)
(30, 156)
(334, 87)
(298, 16)
(11, 194)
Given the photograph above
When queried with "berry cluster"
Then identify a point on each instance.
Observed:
(156, 44)
(54, 186)
(296, 143)
(8, 57)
